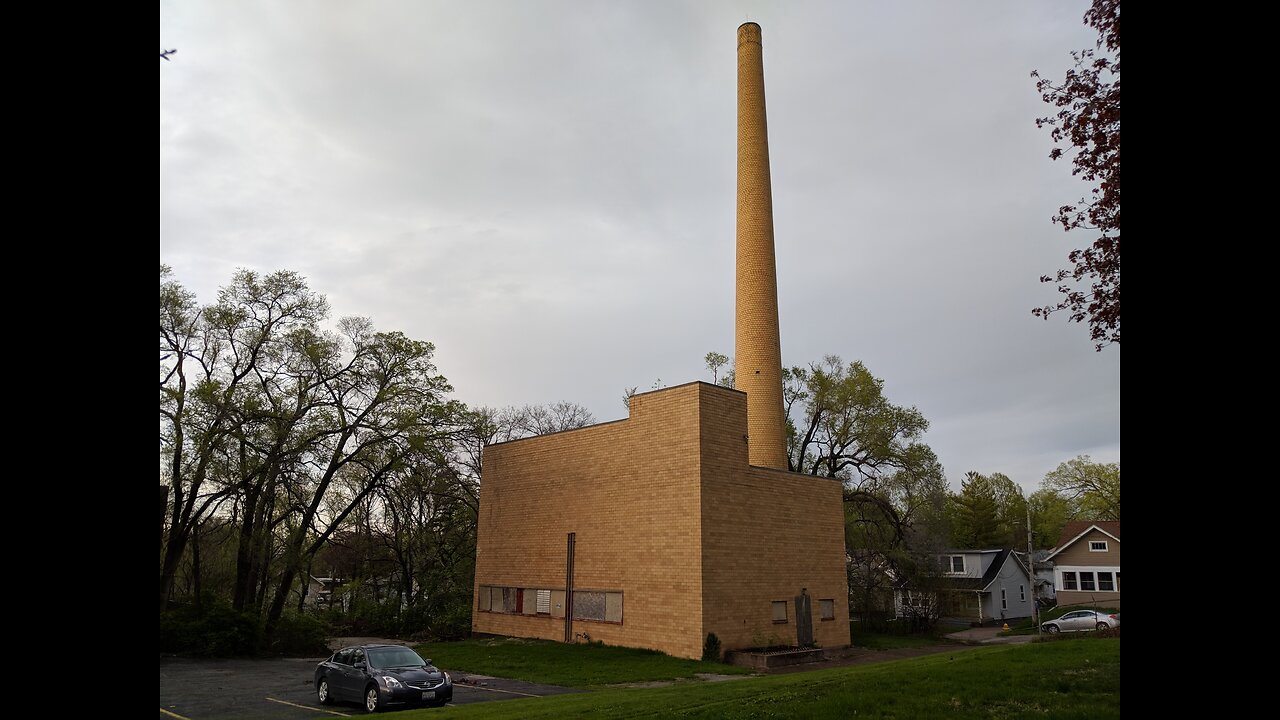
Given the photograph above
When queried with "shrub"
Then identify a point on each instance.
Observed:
(217, 632)
(711, 648)
(300, 634)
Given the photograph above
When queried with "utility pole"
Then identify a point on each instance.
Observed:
(1031, 566)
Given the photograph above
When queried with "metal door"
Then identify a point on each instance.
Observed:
(804, 619)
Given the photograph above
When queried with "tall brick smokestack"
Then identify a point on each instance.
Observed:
(758, 361)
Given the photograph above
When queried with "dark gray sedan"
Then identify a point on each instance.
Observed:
(380, 676)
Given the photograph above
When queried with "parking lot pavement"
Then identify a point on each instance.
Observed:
(281, 689)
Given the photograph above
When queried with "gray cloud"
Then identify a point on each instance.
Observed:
(545, 191)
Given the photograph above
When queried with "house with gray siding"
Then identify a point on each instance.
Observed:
(976, 586)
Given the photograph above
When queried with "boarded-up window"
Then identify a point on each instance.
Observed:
(588, 605)
(827, 609)
(779, 611)
(544, 602)
(557, 603)
(486, 601)
(595, 605)
(613, 607)
(508, 600)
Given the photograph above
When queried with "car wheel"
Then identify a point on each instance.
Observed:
(371, 698)
(322, 692)
(1051, 629)
(1103, 626)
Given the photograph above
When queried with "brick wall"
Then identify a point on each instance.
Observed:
(629, 490)
(766, 534)
(667, 511)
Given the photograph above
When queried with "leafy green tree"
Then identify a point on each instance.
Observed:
(841, 425)
(210, 361)
(715, 361)
(1049, 513)
(1011, 511)
(1092, 488)
(976, 522)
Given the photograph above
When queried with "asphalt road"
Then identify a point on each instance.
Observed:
(281, 689)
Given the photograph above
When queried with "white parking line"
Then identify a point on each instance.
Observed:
(489, 689)
(174, 714)
(308, 707)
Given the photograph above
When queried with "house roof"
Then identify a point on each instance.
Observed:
(1077, 529)
(993, 571)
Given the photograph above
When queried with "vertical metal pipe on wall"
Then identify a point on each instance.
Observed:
(568, 591)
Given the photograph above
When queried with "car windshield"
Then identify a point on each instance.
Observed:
(394, 657)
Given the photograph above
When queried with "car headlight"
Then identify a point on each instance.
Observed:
(447, 679)
(391, 682)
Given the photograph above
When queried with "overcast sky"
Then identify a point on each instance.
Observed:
(545, 190)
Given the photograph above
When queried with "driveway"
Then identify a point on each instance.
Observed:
(988, 636)
(281, 689)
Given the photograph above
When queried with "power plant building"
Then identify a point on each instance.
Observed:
(682, 519)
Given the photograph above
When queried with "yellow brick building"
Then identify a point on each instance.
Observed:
(676, 535)
(680, 520)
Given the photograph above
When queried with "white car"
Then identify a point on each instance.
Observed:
(1078, 620)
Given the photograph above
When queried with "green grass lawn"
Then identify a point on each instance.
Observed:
(556, 663)
(886, 641)
(1061, 680)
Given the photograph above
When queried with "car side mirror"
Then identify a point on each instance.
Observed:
(361, 665)
(426, 661)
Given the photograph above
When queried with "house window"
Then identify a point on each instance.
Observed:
(1069, 581)
(1022, 593)
(486, 600)
(596, 605)
(953, 564)
(1104, 582)
(1086, 582)
(1097, 546)
(544, 602)
(827, 609)
(1004, 602)
(779, 611)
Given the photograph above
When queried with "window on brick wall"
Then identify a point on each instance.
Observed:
(827, 609)
(779, 611)
(588, 605)
(597, 605)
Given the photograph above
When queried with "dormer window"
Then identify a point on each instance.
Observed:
(1097, 546)
(953, 564)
